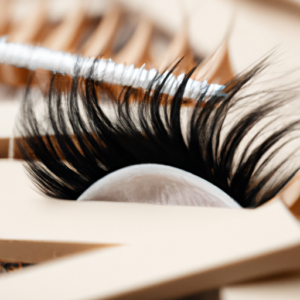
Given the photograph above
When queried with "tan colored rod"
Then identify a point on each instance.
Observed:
(26, 32)
(290, 195)
(64, 37)
(29, 30)
(216, 68)
(5, 14)
(178, 49)
(99, 44)
(136, 51)
(177, 255)
(284, 286)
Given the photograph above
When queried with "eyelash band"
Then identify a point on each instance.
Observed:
(32, 57)
(82, 142)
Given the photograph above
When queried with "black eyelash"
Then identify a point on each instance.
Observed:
(82, 143)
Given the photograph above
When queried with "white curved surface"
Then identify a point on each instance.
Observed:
(157, 184)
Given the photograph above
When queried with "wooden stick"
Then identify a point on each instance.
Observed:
(290, 195)
(136, 50)
(170, 251)
(27, 32)
(286, 286)
(101, 40)
(178, 49)
(5, 10)
(64, 37)
(216, 68)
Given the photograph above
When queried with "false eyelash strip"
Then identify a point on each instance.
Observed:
(32, 58)
(81, 143)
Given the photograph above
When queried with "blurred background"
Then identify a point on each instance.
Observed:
(253, 28)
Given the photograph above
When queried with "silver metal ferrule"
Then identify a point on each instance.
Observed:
(33, 57)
